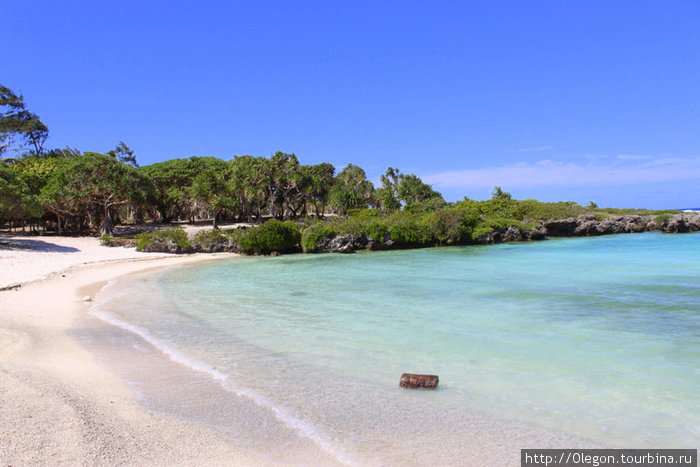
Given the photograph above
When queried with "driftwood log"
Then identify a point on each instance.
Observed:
(411, 380)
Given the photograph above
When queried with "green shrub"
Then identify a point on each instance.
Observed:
(453, 226)
(272, 236)
(363, 213)
(106, 239)
(208, 238)
(429, 205)
(173, 240)
(411, 232)
(315, 234)
(377, 231)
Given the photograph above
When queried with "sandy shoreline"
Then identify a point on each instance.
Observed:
(61, 408)
(66, 399)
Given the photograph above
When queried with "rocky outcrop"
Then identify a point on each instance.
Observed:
(339, 244)
(165, 245)
(220, 245)
(686, 222)
(513, 234)
(588, 225)
(349, 243)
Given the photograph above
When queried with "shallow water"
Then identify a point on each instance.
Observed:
(545, 343)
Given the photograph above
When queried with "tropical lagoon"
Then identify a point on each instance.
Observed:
(586, 341)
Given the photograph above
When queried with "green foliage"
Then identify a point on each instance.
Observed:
(96, 184)
(363, 214)
(351, 189)
(106, 239)
(405, 190)
(377, 231)
(272, 236)
(498, 193)
(412, 190)
(207, 238)
(18, 126)
(16, 198)
(124, 154)
(172, 182)
(453, 226)
(429, 205)
(411, 232)
(314, 234)
(159, 239)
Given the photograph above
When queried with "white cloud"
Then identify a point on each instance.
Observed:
(617, 170)
(629, 157)
(534, 149)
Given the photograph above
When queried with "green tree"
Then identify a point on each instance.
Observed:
(498, 193)
(320, 183)
(94, 186)
(411, 189)
(283, 176)
(387, 196)
(213, 190)
(172, 186)
(124, 154)
(17, 202)
(351, 190)
(18, 126)
(248, 181)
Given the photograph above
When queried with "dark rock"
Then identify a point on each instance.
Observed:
(538, 233)
(561, 227)
(513, 234)
(339, 244)
(586, 225)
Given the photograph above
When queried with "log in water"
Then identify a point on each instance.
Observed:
(411, 380)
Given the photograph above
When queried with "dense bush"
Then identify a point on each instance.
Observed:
(173, 240)
(411, 232)
(209, 238)
(272, 236)
(314, 234)
(377, 231)
(453, 226)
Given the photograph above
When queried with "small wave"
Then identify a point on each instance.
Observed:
(303, 427)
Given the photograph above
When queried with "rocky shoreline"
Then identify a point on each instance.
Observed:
(581, 226)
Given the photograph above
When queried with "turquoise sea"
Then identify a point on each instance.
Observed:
(594, 341)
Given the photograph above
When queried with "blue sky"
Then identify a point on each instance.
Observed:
(556, 100)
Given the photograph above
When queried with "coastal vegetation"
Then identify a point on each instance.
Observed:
(292, 206)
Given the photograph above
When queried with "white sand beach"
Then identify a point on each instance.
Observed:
(59, 407)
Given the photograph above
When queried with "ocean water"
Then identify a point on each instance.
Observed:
(563, 343)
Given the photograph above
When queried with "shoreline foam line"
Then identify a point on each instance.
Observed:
(302, 427)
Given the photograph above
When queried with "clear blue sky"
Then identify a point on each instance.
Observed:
(557, 100)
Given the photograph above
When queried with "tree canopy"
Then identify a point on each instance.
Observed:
(19, 128)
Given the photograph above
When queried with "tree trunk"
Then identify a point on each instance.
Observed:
(107, 221)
